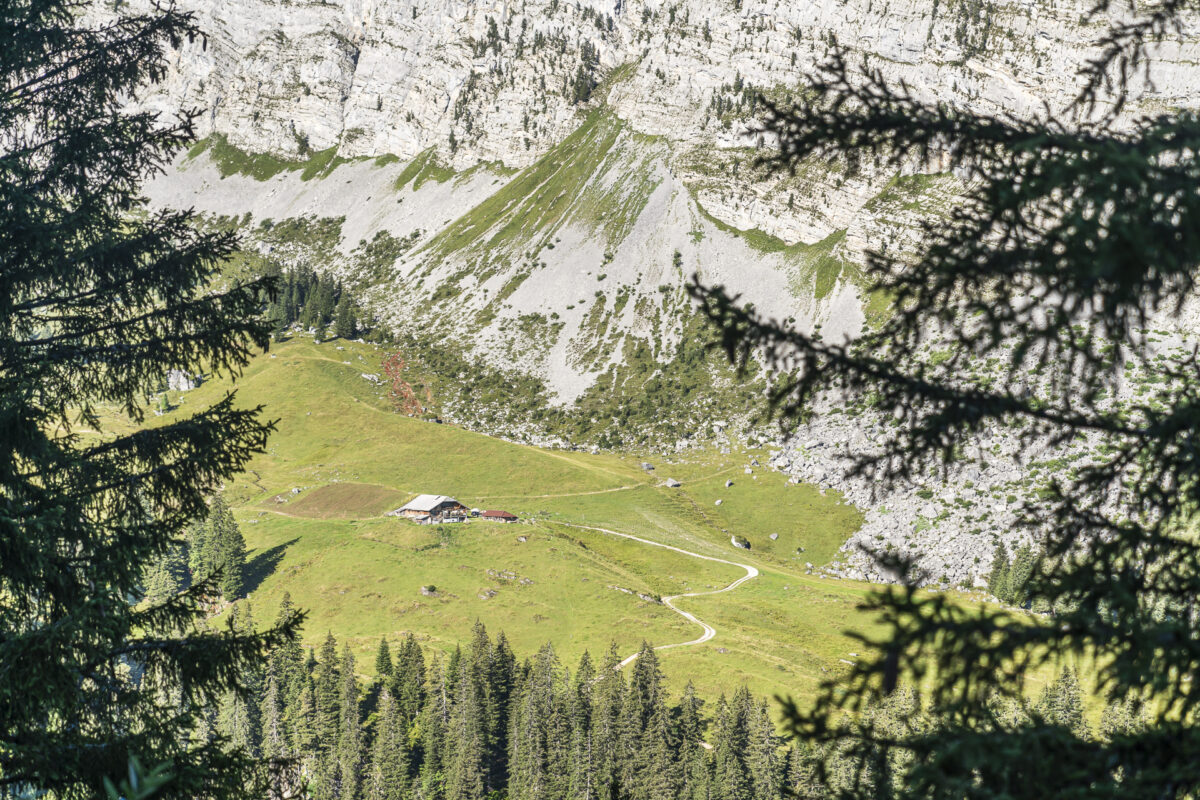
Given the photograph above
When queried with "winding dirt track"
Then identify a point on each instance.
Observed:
(669, 602)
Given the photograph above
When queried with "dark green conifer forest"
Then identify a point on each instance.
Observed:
(483, 722)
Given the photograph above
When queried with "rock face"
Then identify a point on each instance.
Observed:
(180, 381)
(549, 175)
(629, 127)
(485, 81)
(401, 76)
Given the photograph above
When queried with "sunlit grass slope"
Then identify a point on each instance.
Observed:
(312, 509)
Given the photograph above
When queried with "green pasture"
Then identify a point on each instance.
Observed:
(312, 511)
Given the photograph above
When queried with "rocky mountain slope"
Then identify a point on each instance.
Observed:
(534, 182)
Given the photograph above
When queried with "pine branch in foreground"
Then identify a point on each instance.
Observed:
(1074, 233)
(99, 299)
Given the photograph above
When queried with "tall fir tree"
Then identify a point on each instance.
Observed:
(227, 549)
(302, 729)
(349, 746)
(384, 667)
(581, 703)
(695, 775)
(1126, 718)
(1061, 703)
(642, 721)
(388, 774)
(345, 324)
(237, 710)
(540, 751)
(466, 761)
(608, 726)
(763, 756)
(100, 297)
(500, 679)
(327, 720)
(1024, 564)
(731, 779)
(410, 678)
(658, 776)
(434, 725)
(197, 538)
(803, 778)
(271, 711)
(290, 659)
(166, 576)
(998, 577)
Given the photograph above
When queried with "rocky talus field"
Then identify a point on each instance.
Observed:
(534, 184)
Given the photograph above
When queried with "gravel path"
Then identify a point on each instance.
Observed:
(669, 602)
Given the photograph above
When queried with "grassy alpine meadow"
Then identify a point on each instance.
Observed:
(312, 510)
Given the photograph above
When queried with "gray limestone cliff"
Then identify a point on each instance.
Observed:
(546, 176)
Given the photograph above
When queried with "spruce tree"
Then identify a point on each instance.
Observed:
(608, 725)
(410, 678)
(345, 323)
(695, 776)
(645, 695)
(466, 761)
(500, 679)
(1023, 565)
(383, 662)
(763, 754)
(166, 575)
(657, 775)
(804, 768)
(302, 728)
(327, 719)
(1126, 718)
(434, 725)
(237, 713)
(1061, 703)
(642, 719)
(271, 712)
(541, 732)
(388, 774)
(349, 746)
(731, 779)
(200, 548)
(290, 659)
(99, 298)
(581, 703)
(226, 548)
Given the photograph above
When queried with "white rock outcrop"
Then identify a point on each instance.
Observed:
(643, 112)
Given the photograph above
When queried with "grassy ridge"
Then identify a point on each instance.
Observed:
(232, 160)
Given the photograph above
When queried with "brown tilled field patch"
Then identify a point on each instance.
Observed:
(346, 501)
